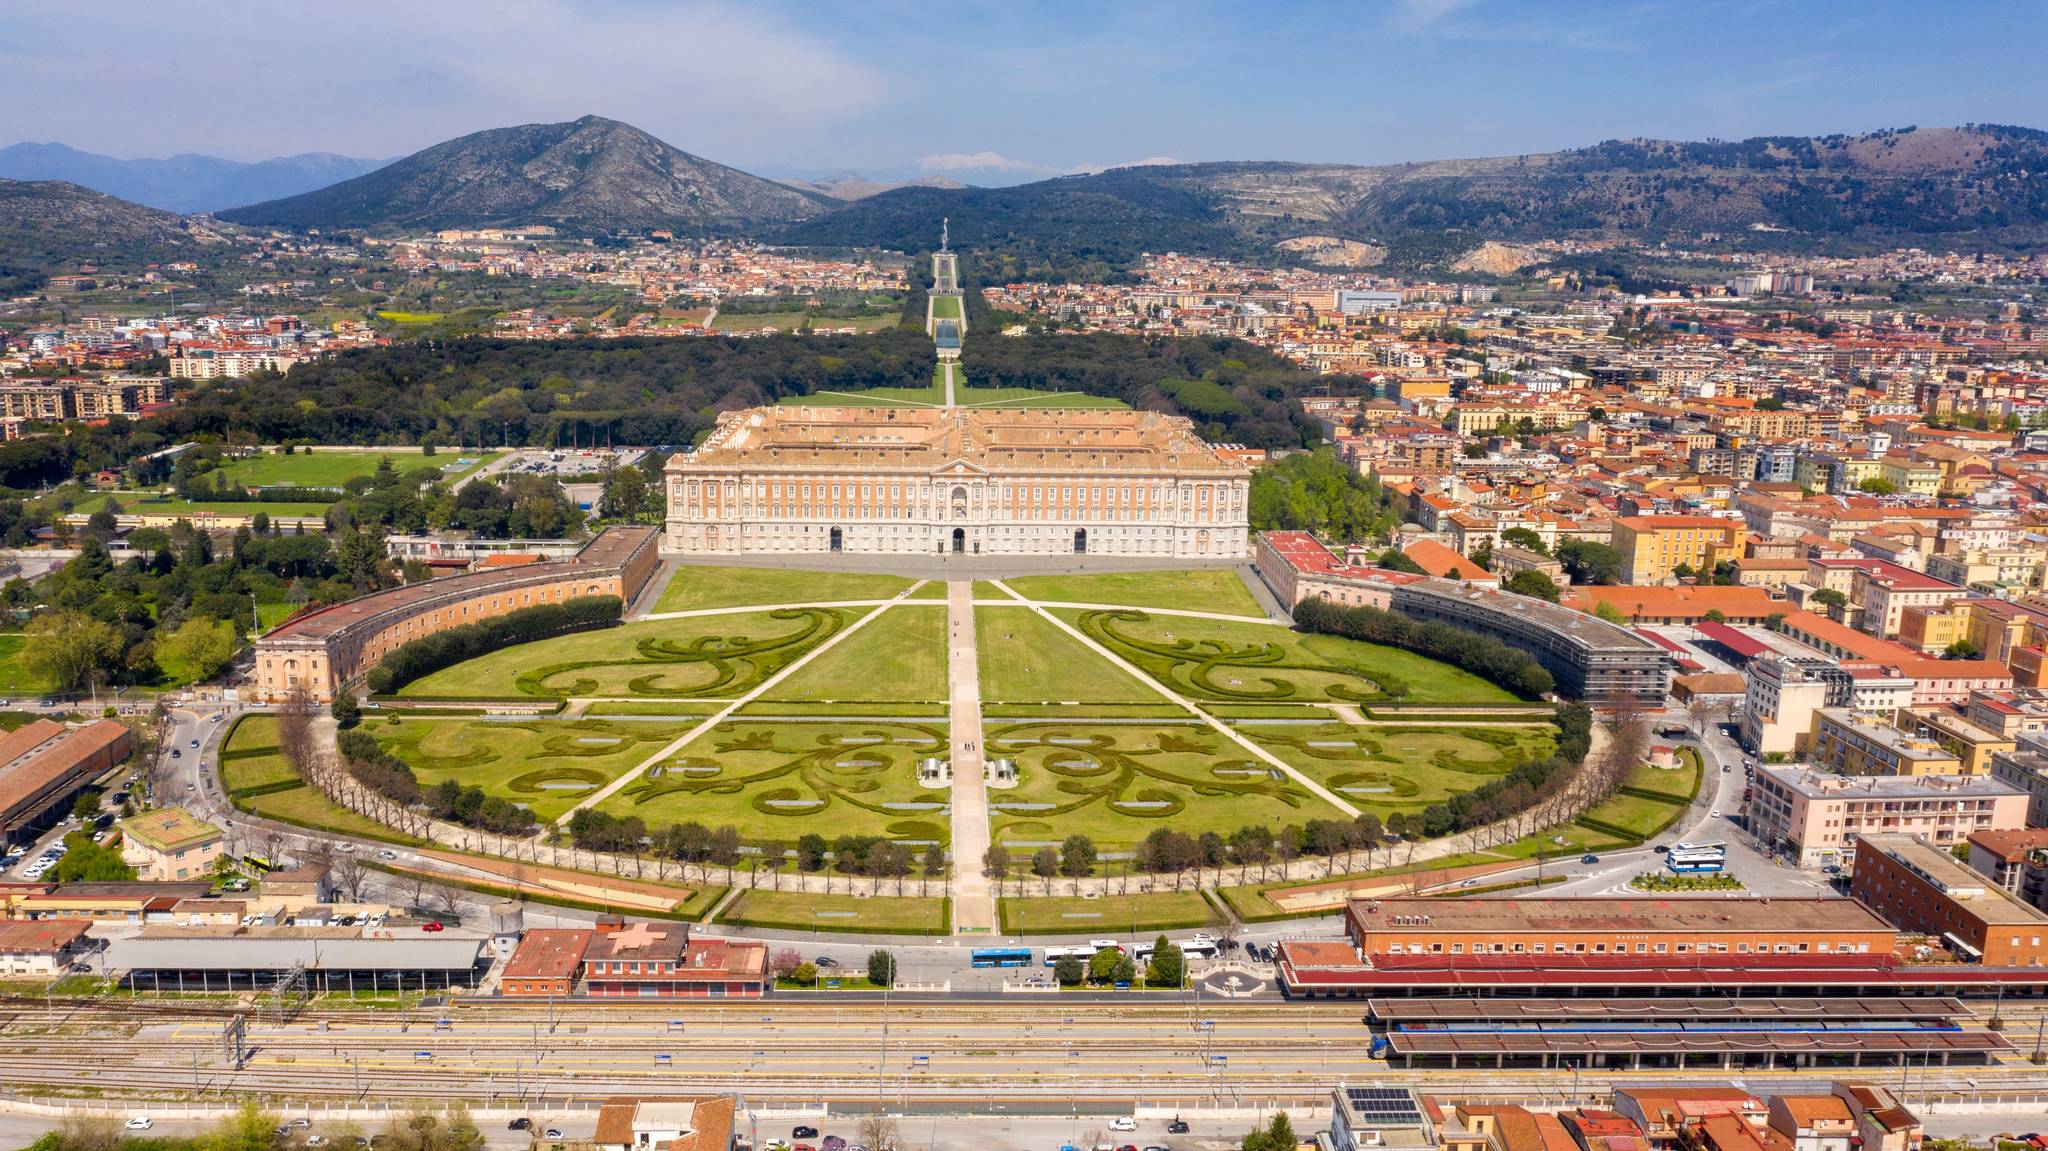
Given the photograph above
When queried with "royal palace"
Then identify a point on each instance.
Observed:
(956, 480)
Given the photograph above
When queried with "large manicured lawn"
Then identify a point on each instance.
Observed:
(15, 676)
(1116, 782)
(967, 397)
(1390, 769)
(146, 504)
(331, 468)
(798, 911)
(1217, 591)
(779, 780)
(792, 321)
(1267, 663)
(715, 656)
(546, 765)
(1025, 659)
(897, 657)
(708, 587)
(1129, 918)
(946, 307)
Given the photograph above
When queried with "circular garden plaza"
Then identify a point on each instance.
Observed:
(824, 749)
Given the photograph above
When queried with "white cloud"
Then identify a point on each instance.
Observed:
(976, 162)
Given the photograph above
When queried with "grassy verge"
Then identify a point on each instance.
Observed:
(879, 915)
(690, 910)
(306, 807)
(1108, 915)
(928, 709)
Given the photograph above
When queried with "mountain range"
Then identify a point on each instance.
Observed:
(185, 182)
(1973, 186)
(591, 174)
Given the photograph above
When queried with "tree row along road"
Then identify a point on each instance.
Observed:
(1028, 1050)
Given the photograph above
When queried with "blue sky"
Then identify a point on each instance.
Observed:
(1000, 92)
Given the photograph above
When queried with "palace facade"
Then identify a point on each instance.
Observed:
(968, 481)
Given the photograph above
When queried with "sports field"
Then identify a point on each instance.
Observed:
(331, 468)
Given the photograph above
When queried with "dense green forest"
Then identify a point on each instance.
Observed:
(545, 393)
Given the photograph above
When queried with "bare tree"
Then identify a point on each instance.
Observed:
(348, 874)
(878, 1132)
(415, 888)
(449, 900)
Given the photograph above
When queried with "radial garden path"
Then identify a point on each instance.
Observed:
(1225, 730)
(725, 712)
(974, 912)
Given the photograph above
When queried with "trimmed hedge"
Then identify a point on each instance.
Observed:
(1482, 655)
(431, 653)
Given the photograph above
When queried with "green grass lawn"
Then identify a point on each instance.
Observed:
(777, 781)
(702, 656)
(898, 656)
(1107, 916)
(1115, 783)
(308, 808)
(1680, 783)
(708, 587)
(935, 396)
(147, 504)
(326, 467)
(931, 589)
(252, 732)
(945, 307)
(1217, 591)
(15, 676)
(255, 771)
(1269, 663)
(546, 765)
(798, 911)
(1031, 398)
(1025, 659)
(791, 321)
(1385, 770)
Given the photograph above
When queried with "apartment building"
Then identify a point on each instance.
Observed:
(1782, 693)
(1811, 817)
(1923, 888)
(1653, 546)
(1849, 742)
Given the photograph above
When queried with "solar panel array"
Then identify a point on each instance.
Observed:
(1389, 1105)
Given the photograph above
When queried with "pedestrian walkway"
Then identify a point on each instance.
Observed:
(974, 911)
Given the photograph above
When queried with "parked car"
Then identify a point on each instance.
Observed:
(832, 1143)
(1123, 1123)
(552, 1133)
(1179, 1126)
(803, 1131)
(430, 927)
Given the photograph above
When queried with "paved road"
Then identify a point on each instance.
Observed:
(974, 911)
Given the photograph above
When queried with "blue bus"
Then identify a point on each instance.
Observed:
(1000, 957)
(1695, 866)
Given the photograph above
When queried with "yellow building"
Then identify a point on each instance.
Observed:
(1652, 546)
(1971, 744)
(1850, 742)
(957, 481)
(1910, 476)
(168, 844)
